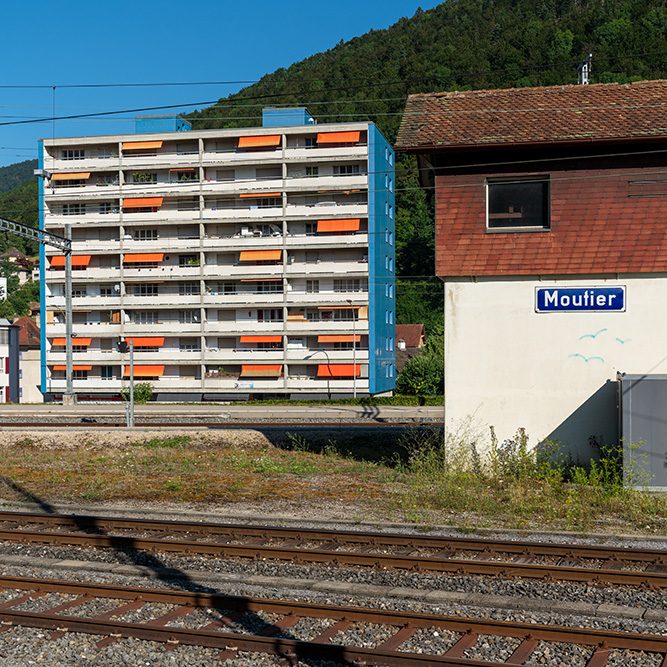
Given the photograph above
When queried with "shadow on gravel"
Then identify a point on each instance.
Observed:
(231, 611)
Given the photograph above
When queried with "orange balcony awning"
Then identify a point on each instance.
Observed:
(140, 145)
(74, 368)
(347, 225)
(338, 137)
(338, 370)
(260, 255)
(339, 338)
(261, 370)
(261, 339)
(75, 341)
(183, 169)
(143, 257)
(78, 176)
(144, 371)
(77, 260)
(146, 341)
(263, 141)
(259, 195)
(142, 202)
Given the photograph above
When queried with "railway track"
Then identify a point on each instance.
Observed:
(446, 555)
(296, 630)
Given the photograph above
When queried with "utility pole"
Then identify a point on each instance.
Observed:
(585, 70)
(68, 398)
(64, 244)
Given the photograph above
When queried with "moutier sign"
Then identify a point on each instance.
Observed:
(580, 299)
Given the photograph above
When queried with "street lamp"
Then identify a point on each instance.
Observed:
(354, 350)
(326, 354)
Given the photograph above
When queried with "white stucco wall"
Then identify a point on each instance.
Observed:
(552, 373)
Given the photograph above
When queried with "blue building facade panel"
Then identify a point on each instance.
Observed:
(382, 264)
(273, 117)
(153, 124)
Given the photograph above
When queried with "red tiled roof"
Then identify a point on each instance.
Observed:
(28, 332)
(412, 334)
(524, 116)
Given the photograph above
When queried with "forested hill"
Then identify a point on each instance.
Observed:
(16, 174)
(461, 44)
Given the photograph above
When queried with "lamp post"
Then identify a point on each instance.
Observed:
(326, 354)
(354, 350)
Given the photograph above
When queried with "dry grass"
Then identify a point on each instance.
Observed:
(182, 469)
(343, 479)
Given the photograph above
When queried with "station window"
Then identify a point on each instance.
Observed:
(520, 203)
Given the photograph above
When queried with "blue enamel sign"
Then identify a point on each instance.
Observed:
(580, 299)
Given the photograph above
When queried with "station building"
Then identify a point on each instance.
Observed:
(241, 263)
(551, 242)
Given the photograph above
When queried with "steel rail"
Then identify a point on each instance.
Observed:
(339, 537)
(468, 627)
(331, 556)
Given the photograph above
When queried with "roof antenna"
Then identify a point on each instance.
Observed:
(585, 70)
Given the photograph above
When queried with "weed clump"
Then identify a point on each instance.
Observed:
(513, 484)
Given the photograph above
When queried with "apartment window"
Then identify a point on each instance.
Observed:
(312, 286)
(106, 372)
(145, 317)
(79, 348)
(78, 292)
(105, 207)
(272, 287)
(518, 204)
(185, 175)
(312, 256)
(189, 316)
(106, 345)
(311, 228)
(227, 288)
(312, 171)
(270, 315)
(347, 285)
(343, 346)
(146, 235)
(270, 346)
(74, 209)
(224, 175)
(79, 375)
(188, 260)
(187, 289)
(188, 205)
(189, 345)
(346, 169)
(146, 289)
(144, 177)
(73, 154)
(269, 202)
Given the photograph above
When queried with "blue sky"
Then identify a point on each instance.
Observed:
(67, 43)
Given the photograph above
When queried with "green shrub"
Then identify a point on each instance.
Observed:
(421, 376)
(143, 392)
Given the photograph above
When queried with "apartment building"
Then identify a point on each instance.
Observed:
(241, 263)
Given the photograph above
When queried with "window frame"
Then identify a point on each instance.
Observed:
(519, 180)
